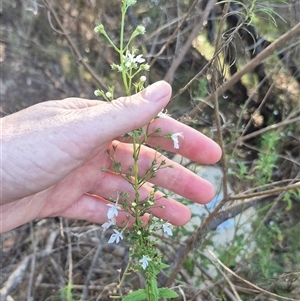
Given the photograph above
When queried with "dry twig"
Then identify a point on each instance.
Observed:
(248, 282)
(73, 47)
(294, 32)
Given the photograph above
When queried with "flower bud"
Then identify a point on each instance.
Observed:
(143, 78)
(130, 2)
(98, 93)
(140, 29)
(145, 67)
(108, 95)
(99, 29)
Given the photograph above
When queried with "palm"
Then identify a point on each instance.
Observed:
(87, 178)
(57, 199)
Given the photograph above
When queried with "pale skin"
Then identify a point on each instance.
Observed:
(54, 153)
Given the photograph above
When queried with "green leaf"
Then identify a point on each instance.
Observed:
(164, 266)
(138, 295)
(152, 289)
(167, 293)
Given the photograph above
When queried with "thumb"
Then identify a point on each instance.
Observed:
(128, 113)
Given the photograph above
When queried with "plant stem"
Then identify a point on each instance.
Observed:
(124, 77)
(136, 179)
(123, 277)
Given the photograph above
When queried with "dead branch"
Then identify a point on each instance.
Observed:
(266, 129)
(164, 47)
(92, 267)
(270, 192)
(175, 64)
(294, 32)
(73, 47)
(248, 282)
(17, 275)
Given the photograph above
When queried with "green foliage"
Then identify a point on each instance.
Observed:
(138, 295)
(67, 293)
(261, 172)
(252, 8)
(130, 64)
(167, 293)
(266, 266)
(288, 196)
(201, 90)
(141, 295)
(189, 266)
(267, 158)
(230, 255)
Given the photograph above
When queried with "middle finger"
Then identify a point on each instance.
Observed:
(171, 175)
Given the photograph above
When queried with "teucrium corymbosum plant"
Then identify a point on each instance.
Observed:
(144, 256)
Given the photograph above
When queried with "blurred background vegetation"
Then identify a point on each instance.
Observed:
(230, 83)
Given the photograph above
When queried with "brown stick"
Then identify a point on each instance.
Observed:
(74, 48)
(264, 193)
(169, 76)
(164, 47)
(294, 32)
(266, 129)
(246, 281)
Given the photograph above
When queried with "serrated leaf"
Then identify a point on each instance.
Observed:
(152, 289)
(167, 293)
(138, 295)
(164, 266)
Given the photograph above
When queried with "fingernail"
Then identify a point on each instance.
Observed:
(157, 91)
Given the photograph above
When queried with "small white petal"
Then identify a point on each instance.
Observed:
(109, 223)
(139, 59)
(113, 211)
(174, 137)
(116, 237)
(144, 261)
(166, 228)
(161, 114)
(128, 57)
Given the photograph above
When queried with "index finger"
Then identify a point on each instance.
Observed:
(193, 145)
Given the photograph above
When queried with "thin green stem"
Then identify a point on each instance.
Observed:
(136, 152)
(123, 277)
(111, 43)
(130, 78)
(124, 77)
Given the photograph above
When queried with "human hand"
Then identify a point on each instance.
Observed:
(53, 154)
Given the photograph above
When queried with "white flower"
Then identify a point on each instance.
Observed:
(161, 114)
(109, 223)
(113, 211)
(139, 59)
(174, 137)
(128, 56)
(129, 59)
(166, 229)
(144, 261)
(116, 237)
